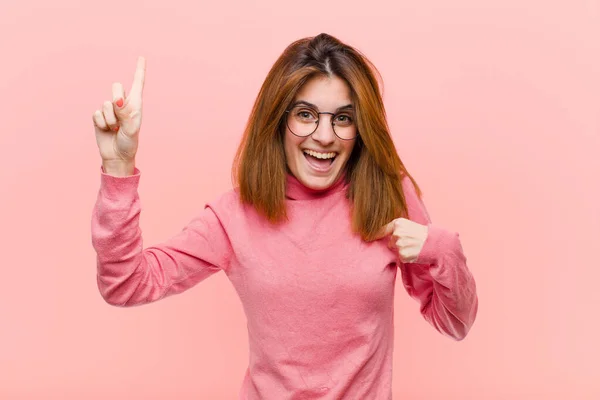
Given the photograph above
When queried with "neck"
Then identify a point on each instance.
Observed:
(295, 190)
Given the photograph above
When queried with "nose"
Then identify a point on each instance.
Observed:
(324, 133)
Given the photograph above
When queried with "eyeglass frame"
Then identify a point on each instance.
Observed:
(317, 124)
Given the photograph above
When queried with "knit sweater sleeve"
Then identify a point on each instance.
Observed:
(440, 279)
(127, 273)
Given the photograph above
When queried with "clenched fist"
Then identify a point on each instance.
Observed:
(118, 124)
(406, 237)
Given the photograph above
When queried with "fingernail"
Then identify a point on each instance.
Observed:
(116, 128)
(120, 103)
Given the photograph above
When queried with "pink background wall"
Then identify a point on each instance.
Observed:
(494, 107)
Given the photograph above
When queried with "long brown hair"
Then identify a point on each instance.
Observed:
(374, 170)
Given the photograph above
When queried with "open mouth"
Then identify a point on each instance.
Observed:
(320, 161)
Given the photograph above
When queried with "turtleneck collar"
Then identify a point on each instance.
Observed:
(295, 190)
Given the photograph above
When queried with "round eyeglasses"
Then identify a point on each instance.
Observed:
(303, 121)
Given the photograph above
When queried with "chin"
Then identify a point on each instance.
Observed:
(316, 182)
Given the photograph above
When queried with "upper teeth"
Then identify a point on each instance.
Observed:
(323, 156)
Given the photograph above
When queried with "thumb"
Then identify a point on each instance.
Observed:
(118, 95)
(384, 231)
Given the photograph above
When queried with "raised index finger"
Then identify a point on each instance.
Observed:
(137, 88)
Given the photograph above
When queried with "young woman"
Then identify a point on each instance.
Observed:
(322, 216)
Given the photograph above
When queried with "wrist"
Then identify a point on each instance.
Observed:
(118, 167)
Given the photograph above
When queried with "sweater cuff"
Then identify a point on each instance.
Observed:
(114, 187)
(439, 242)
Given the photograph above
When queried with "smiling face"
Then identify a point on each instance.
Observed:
(318, 160)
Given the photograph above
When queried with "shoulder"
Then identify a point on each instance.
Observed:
(228, 200)
(408, 187)
(228, 206)
(414, 202)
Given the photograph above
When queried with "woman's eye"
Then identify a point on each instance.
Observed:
(346, 119)
(305, 115)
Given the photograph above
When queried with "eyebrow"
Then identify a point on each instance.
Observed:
(306, 103)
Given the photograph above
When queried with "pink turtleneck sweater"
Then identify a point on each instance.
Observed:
(318, 300)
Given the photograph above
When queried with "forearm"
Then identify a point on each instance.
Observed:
(439, 278)
(117, 239)
(447, 289)
(130, 275)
